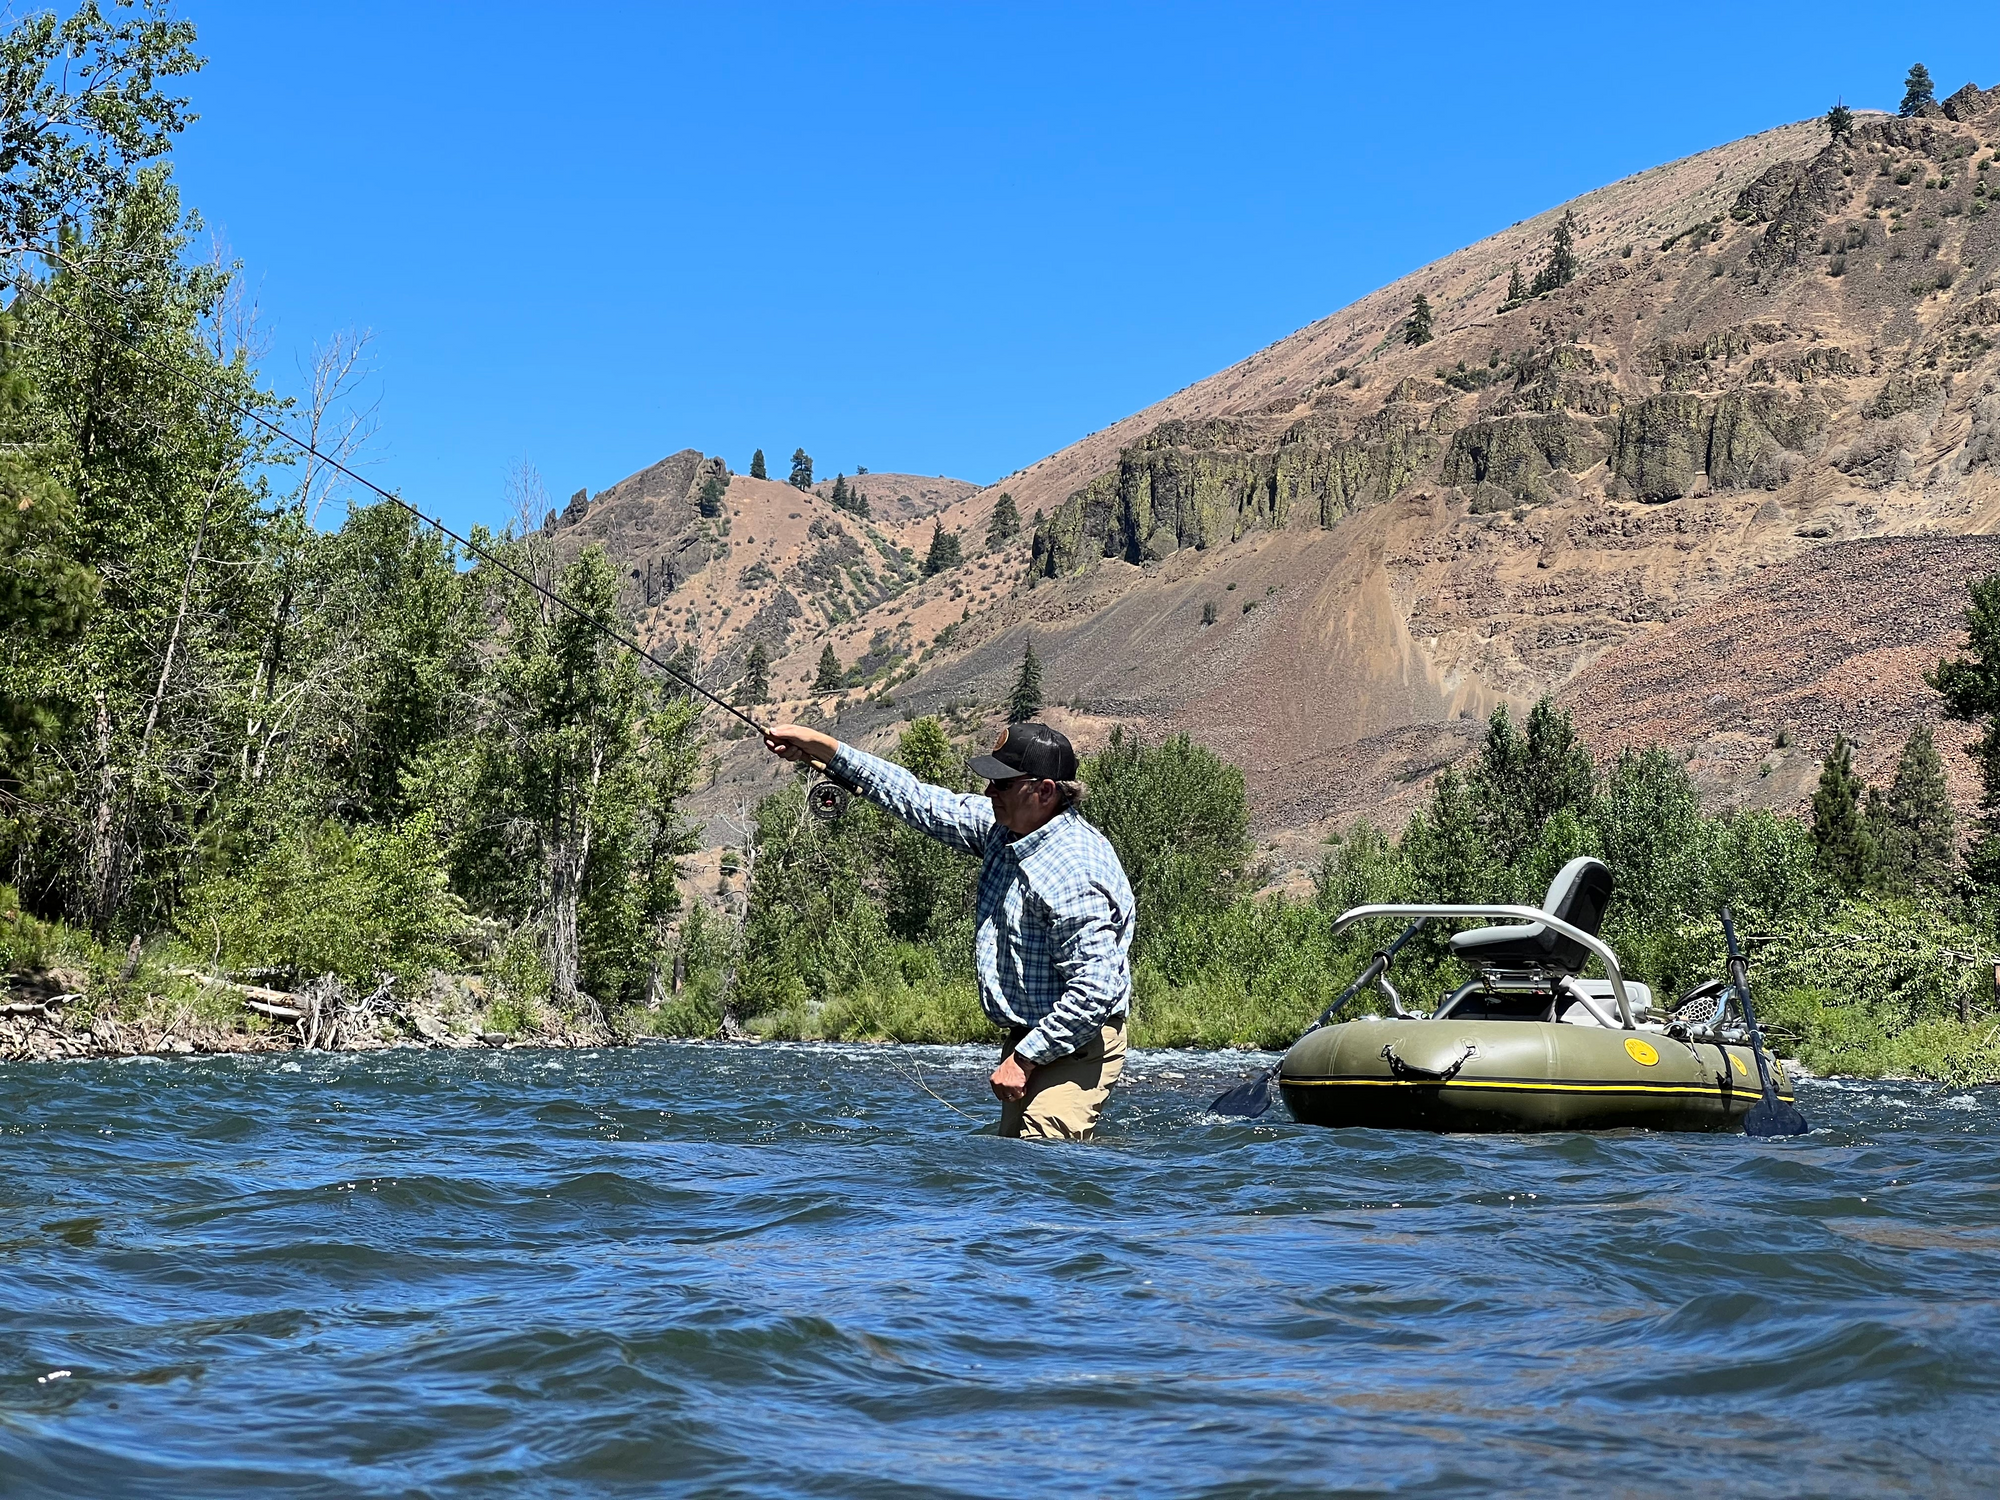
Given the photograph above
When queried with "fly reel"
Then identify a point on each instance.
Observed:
(827, 800)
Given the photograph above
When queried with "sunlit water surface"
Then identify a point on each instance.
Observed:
(681, 1269)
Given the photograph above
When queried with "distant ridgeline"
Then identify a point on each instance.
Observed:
(1823, 318)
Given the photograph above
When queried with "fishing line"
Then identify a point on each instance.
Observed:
(26, 286)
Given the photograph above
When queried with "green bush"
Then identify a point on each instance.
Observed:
(324, 900)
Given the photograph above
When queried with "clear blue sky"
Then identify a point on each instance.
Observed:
(937, 238)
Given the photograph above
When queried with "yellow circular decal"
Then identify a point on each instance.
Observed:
(1739, 1065)
(1641, 1052)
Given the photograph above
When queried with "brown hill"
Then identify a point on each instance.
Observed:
(1770, 350)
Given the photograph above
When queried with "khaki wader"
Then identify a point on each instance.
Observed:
(1065, 1096)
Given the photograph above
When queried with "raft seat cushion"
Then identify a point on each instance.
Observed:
(1577, 895)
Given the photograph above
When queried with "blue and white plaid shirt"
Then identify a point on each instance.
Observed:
(1055, 910)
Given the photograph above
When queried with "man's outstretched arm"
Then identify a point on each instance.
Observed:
(960, 819)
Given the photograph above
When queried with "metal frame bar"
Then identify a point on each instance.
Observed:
(1513, 914)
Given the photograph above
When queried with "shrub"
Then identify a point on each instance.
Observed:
(323, 900)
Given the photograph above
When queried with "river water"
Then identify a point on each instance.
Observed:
(687, 1270)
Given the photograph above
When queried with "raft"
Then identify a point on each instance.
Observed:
(1527, 1043)
(1419, 1074)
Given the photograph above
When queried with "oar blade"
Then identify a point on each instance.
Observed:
(1772, 1117)
(1250, 1098)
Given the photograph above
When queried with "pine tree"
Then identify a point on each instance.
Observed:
(757, 465)
(1847, 850)
(1005, 522)
(755, 686)
(840, 491)
(1026, 699)
(1970, 685)
(709, 501)
(1840, 123)
(944, 553)
(1921, 828)
(857, 502)
(1517, 286)
(828, 678)
(1918, 97)
(1417, 327)
(802, 470)
(1560, 269)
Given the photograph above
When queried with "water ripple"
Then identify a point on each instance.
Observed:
(687, 1270)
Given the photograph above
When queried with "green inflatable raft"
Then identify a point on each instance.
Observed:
(1526, 1043)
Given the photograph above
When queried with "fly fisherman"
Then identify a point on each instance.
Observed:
(1054, 920)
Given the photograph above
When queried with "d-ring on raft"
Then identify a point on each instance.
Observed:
(1527, 1044)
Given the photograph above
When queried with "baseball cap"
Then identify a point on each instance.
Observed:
(1028, 750)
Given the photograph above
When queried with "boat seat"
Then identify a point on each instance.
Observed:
(1578, 895)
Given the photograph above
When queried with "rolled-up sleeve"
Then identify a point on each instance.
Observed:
(964, 820)
(1089, 934)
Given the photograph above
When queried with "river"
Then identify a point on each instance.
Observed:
(679, 1269)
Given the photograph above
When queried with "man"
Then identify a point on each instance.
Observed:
(1055, 915)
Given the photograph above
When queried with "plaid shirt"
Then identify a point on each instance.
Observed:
(1055, 911)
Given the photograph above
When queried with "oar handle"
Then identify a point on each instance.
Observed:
(1383, 958)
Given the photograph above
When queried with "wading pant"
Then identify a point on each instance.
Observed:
(1065, 1096)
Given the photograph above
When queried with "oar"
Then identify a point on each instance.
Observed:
(1770, 1115)
(1253, 1096)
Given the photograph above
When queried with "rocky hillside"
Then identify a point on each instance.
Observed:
(1331, 560)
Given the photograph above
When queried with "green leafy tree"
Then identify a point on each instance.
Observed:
(1840, 123)
(757, 470)
(1560, 269)
(802, 470)
(928, 888)
(1970, 686)
(1005, 522)
(1517, 286)
(1448, 853)
(1847, 851)
(1177, 815)
(1417, 327)
(944, 554)
(126, 409)
(84, 109)
(1919, 829)
(755, 684)
(582, 766)
(1026, 699)
(830, 675)
(1919, 97)
(1521, 781)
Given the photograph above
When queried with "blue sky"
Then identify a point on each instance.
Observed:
(942, 239)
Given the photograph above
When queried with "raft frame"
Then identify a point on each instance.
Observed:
(1591, 942)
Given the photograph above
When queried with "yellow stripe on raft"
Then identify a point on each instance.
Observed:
(1557, 1088)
